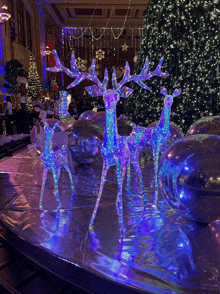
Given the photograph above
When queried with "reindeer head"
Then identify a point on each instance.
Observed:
(49, 132)
(168, 100)
(110, 99)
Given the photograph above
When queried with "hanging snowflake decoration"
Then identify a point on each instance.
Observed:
(80, 63)
(100, 54)
(83, 67)
(124, 47)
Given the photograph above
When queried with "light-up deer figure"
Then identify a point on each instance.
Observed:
(53, 160)
(160, 133)
(115, 149)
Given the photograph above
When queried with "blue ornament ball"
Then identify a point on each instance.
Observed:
(189, 177)
(99, 118)
(85, 141)
(206, 125)
(88, 114)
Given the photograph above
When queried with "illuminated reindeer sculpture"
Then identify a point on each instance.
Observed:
(53, 160)
(115, 149)
(160, 133)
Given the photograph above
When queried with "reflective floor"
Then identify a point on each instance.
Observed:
(161, 251)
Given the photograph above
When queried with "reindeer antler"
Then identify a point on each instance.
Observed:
(100, 88)
(143, 76)
(59, 67)
(176, 92)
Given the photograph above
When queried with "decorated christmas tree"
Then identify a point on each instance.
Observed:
(186, 33)
(34, 85)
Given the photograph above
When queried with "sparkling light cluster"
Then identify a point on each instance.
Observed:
(187, 33)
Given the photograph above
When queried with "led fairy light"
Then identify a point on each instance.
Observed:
(121, 29)
(106, 26)
(4, 15)
(78, 37)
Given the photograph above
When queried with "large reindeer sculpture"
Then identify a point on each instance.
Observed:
(160, 133)
(53, 160)
(115, 149)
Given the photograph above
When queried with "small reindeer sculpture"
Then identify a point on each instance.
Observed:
(38, 145)
(115, 149)
(160, 133)
(53, 160)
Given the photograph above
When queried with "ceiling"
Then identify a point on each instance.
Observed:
(98, 13)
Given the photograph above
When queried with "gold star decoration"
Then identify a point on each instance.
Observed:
(124, 47)
(100, 54)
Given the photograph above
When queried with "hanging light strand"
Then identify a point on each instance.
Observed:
(123, 23)
(88, 23)
(106, 26)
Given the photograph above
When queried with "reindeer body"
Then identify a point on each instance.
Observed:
(160, 133)
(139, 138)
(53, 160)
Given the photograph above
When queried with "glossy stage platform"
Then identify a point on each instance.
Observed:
(161, 251)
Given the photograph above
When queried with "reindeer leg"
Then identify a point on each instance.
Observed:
(139, 172)
(129, 174)
(120, 206)
(56, 189)
(122, 180)
(103, 178)
(43, 186)
(156, 153)
(70, 175)
(30, 148)
(66, 165)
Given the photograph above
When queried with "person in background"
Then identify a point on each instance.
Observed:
(79, 106)
(72, 107)
(8, 113)
(8, 109)
(1, 113)
(1, 108)
(23, 101)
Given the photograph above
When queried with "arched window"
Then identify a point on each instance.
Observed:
(20, 19)
(28, 26)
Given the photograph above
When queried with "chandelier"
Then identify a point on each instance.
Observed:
(4, 16)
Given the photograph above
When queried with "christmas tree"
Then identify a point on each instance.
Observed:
(34, 85)
(186, 33)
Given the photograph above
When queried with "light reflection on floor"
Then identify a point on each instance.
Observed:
(160, 252)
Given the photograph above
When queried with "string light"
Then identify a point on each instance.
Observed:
(88, 23)
(123, 23)
(106, 26)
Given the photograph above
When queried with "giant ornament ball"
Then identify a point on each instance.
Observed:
(88, 114)
(85, 141)
(206, 125)
(189, 177)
